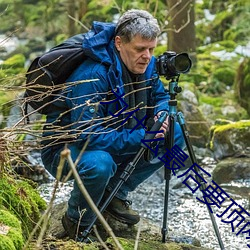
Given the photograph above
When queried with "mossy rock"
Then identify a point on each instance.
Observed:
(128, 244)
(22, 200)
(10, 231)
(231, 139)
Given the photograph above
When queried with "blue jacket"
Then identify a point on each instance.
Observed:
(87, 118)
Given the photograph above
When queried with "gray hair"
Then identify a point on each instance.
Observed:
(137, 22)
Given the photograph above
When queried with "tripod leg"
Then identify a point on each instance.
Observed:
(181, 120)
(164, 229)
(167, 174)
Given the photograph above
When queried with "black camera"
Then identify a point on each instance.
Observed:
(170, 64)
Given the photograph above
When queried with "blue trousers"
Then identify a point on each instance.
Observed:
(99, 171)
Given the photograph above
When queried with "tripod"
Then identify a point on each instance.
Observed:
(173, 90)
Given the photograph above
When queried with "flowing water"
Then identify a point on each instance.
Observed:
(187, 217)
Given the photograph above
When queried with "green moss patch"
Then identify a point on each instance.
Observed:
(22, 200)
(10, 231)
(128, 244)
(230, 134)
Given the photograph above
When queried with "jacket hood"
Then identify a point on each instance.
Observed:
(98, 43)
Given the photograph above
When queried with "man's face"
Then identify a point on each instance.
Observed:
(137, 53)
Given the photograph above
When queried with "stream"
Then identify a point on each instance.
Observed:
(187, 217)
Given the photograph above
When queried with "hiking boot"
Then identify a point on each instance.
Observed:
(75, 231)
(121, 211)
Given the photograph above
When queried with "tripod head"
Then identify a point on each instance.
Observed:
(174, 89)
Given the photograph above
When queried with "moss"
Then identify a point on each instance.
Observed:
(6, 96)
(229, 45)
(6, 243)
(219, 103)
(16, 61)
(13, 71)
(235, 125)
(16, 237)
(242, 84)
(214, 101)
(128, 244)
(60, 38)
(225, 75)
(221, 132)
(9, 219)
(21, 199)
(13, 239)
(174, 246)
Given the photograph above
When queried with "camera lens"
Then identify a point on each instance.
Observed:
(170, 64)
(182, 63)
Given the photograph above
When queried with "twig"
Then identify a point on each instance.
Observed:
(99, 238)
(137, 236)
(66, 154)
(77, 21)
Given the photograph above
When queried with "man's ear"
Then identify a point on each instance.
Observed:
(118, 42)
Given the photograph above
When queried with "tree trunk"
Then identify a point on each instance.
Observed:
(83, 7)
(181, 27)
(71, 6)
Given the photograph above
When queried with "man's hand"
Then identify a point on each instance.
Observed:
(164, 127)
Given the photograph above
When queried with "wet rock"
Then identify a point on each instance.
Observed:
(231, 169)
(197, 125)
(231, 139)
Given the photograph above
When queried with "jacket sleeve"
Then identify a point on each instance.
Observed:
(88, 117)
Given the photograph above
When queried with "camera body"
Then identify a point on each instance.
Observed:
(171, 65)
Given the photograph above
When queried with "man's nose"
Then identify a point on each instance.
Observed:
(146, 54)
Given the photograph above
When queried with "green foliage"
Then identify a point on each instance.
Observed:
(160, 49)
(242, 84)
(229, 23)
(225, 75)
(12, 67)
(219, 102)
(216, 67)
(214, 101)
(17, 61)
(221, 23)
